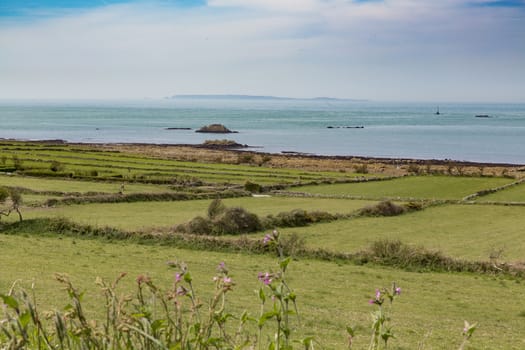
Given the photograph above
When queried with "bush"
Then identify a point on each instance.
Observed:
(295, 218)
(361, 168)
(414, 169)
(235, 221)
(216, 208)
(321, 216)
(199, 225)
(4, 193)
(384, 208)
(252, 187)
(56, 166)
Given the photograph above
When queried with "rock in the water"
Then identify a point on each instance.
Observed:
(216, 129)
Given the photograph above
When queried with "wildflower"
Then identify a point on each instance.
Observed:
(227, 280)
(178, 277)
(397, 291)
(267, 239)
(378, 298)
(265, 278)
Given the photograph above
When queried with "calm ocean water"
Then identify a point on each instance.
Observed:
(393, 130)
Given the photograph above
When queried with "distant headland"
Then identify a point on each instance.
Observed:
(258, 97)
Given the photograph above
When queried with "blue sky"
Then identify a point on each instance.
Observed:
(406, 50)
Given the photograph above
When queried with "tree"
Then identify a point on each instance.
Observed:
(11, 200)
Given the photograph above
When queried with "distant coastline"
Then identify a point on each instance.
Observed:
(259, 97)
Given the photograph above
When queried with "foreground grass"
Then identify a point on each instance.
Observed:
(417, 187)
(143, 215)
(330, 296)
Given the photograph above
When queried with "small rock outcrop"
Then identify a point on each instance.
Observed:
(216, 129)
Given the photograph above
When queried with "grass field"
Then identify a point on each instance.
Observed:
(417, 187)
(512, 194)
(81, 161)
(331, 294)
(463, 231)
(143, 215)
(62, 185)
(431, 309)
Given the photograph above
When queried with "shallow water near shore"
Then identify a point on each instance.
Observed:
(324, 127)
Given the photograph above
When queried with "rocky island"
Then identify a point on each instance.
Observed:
(216, 129)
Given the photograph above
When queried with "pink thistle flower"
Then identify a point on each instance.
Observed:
(178, 277)
(227, 280)
(265, 278)
(397, 291)
(267, 239)
(378, 294)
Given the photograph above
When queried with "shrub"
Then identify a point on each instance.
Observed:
(297, 218)
(292, 244)
(384, 208)
(414, 169)
(294, 218)
(4, 193)
(199, 225)
(252, 187)
(235, 221)
(321, 216)
(361, 168)
(11, 200)
(56, 166)
(216, 208)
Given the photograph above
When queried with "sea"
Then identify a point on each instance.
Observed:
(478, 132)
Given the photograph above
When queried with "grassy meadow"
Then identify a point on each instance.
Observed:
(331, 293)
(411, 187)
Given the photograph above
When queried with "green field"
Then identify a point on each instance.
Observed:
(81, 162)
(331, 293)
(463, 231)
(413, 187)
(143, 215)
(514, 194)
(432, 307)
(77, 186)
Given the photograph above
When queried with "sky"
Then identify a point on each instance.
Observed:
(384, 50)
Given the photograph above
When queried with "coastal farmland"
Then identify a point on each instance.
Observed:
(92, 211)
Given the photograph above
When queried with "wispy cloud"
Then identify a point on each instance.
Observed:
(392, 49)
